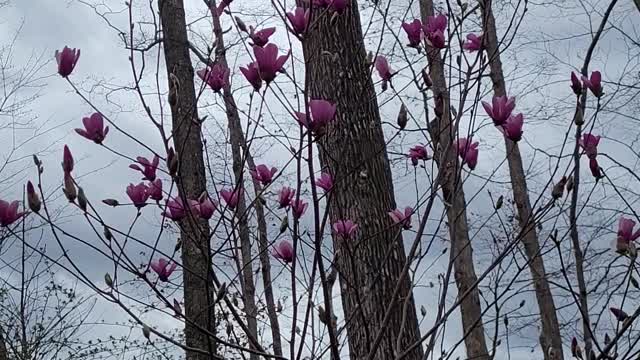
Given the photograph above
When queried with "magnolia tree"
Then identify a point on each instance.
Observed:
(263, 206)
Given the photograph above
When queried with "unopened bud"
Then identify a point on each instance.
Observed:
(82, 199)
(578, 117)
(241, 24)
(569, 184)
(69, 188)
(426, 78)
(111, 202)
(177, 308)
(558, 189)
(32, 198)
(108, 280)
(284, 224)
(178, 245)
(107, 233)
(499, 202)
(423, 311)
(146, 331)
(402, 117)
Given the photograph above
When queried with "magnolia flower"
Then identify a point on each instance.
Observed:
(67, 160)
(299, 18)
(401, 218)
(286, 196)
(148, 168)
(473, 43)
(345, 228)
(138, 194)
(175, 209)
(382, 66)
(263, 174)
(67, 59)
(512, 129)
(576, 85)
(325, 182)
(594, 83)
(437, 39)
(216, 76)
(94, 128)
(500, 109)
(322, 113)
(468, 151)
(595, 168)
(298, 208)
(269, 63)
(163, 268)
(435, 23)
(32, 198)
(414, 32)
(252, 74)
(154, 189)
(260, 38)
(231, 197)
(589, 144)
(205, 207)
(626, 234)
(619, 314)
(418, 152)
(9, 213)
(283, 250)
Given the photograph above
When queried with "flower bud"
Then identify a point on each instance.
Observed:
(111, 202)
(402, 117)
(69, 188)
(32, 198)
(82, 199)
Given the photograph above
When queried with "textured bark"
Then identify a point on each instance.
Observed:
(550, 336)
(4, 354)
(443, 134)
(354, 152)
(191, 180)
(238, 144)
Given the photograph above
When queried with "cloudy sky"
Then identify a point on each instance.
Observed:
(551, 42)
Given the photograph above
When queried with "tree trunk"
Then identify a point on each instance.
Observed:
(443, 135)
(191, 180)
(353, 150)
(4, 354)
(550, 336)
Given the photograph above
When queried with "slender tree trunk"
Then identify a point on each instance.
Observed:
(191, 179)
(550, 336)
(4, 354)
(443, 135)
(354, 152)
(238, 144)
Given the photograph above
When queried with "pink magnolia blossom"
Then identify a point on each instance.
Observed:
(231, 197)
(468, 151)
(626, 234)
(283, 250)
(620, 315)
(594, 83)
(325, 181)
(285, 197)
(269, 63)
(175, 209)
(589, 144)
(322, 113)
(263, 174)
(138, 194)
(206, 207)
(299, 18)
(402, 218)
(473, 43)
(155, 189)
(148, 168)
(252, 74)
(500, 109)
(435, 23)
(94, 128)
(67, 59)
(595, 168)
(437, 39)
(382, 66)
(576, 85)
(512, 129)
(345, 228)
(216, 76)
(414, 32)
(298, 208)
(67, 160)
(418, 152)
(261, 37)
(32, 198)
(9, 213)
(163, 268)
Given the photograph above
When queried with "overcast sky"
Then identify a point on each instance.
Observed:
(552, 40)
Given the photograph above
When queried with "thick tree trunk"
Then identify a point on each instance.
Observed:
(550, 336)
(354, 152)
(191, 178)
(443, 136)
